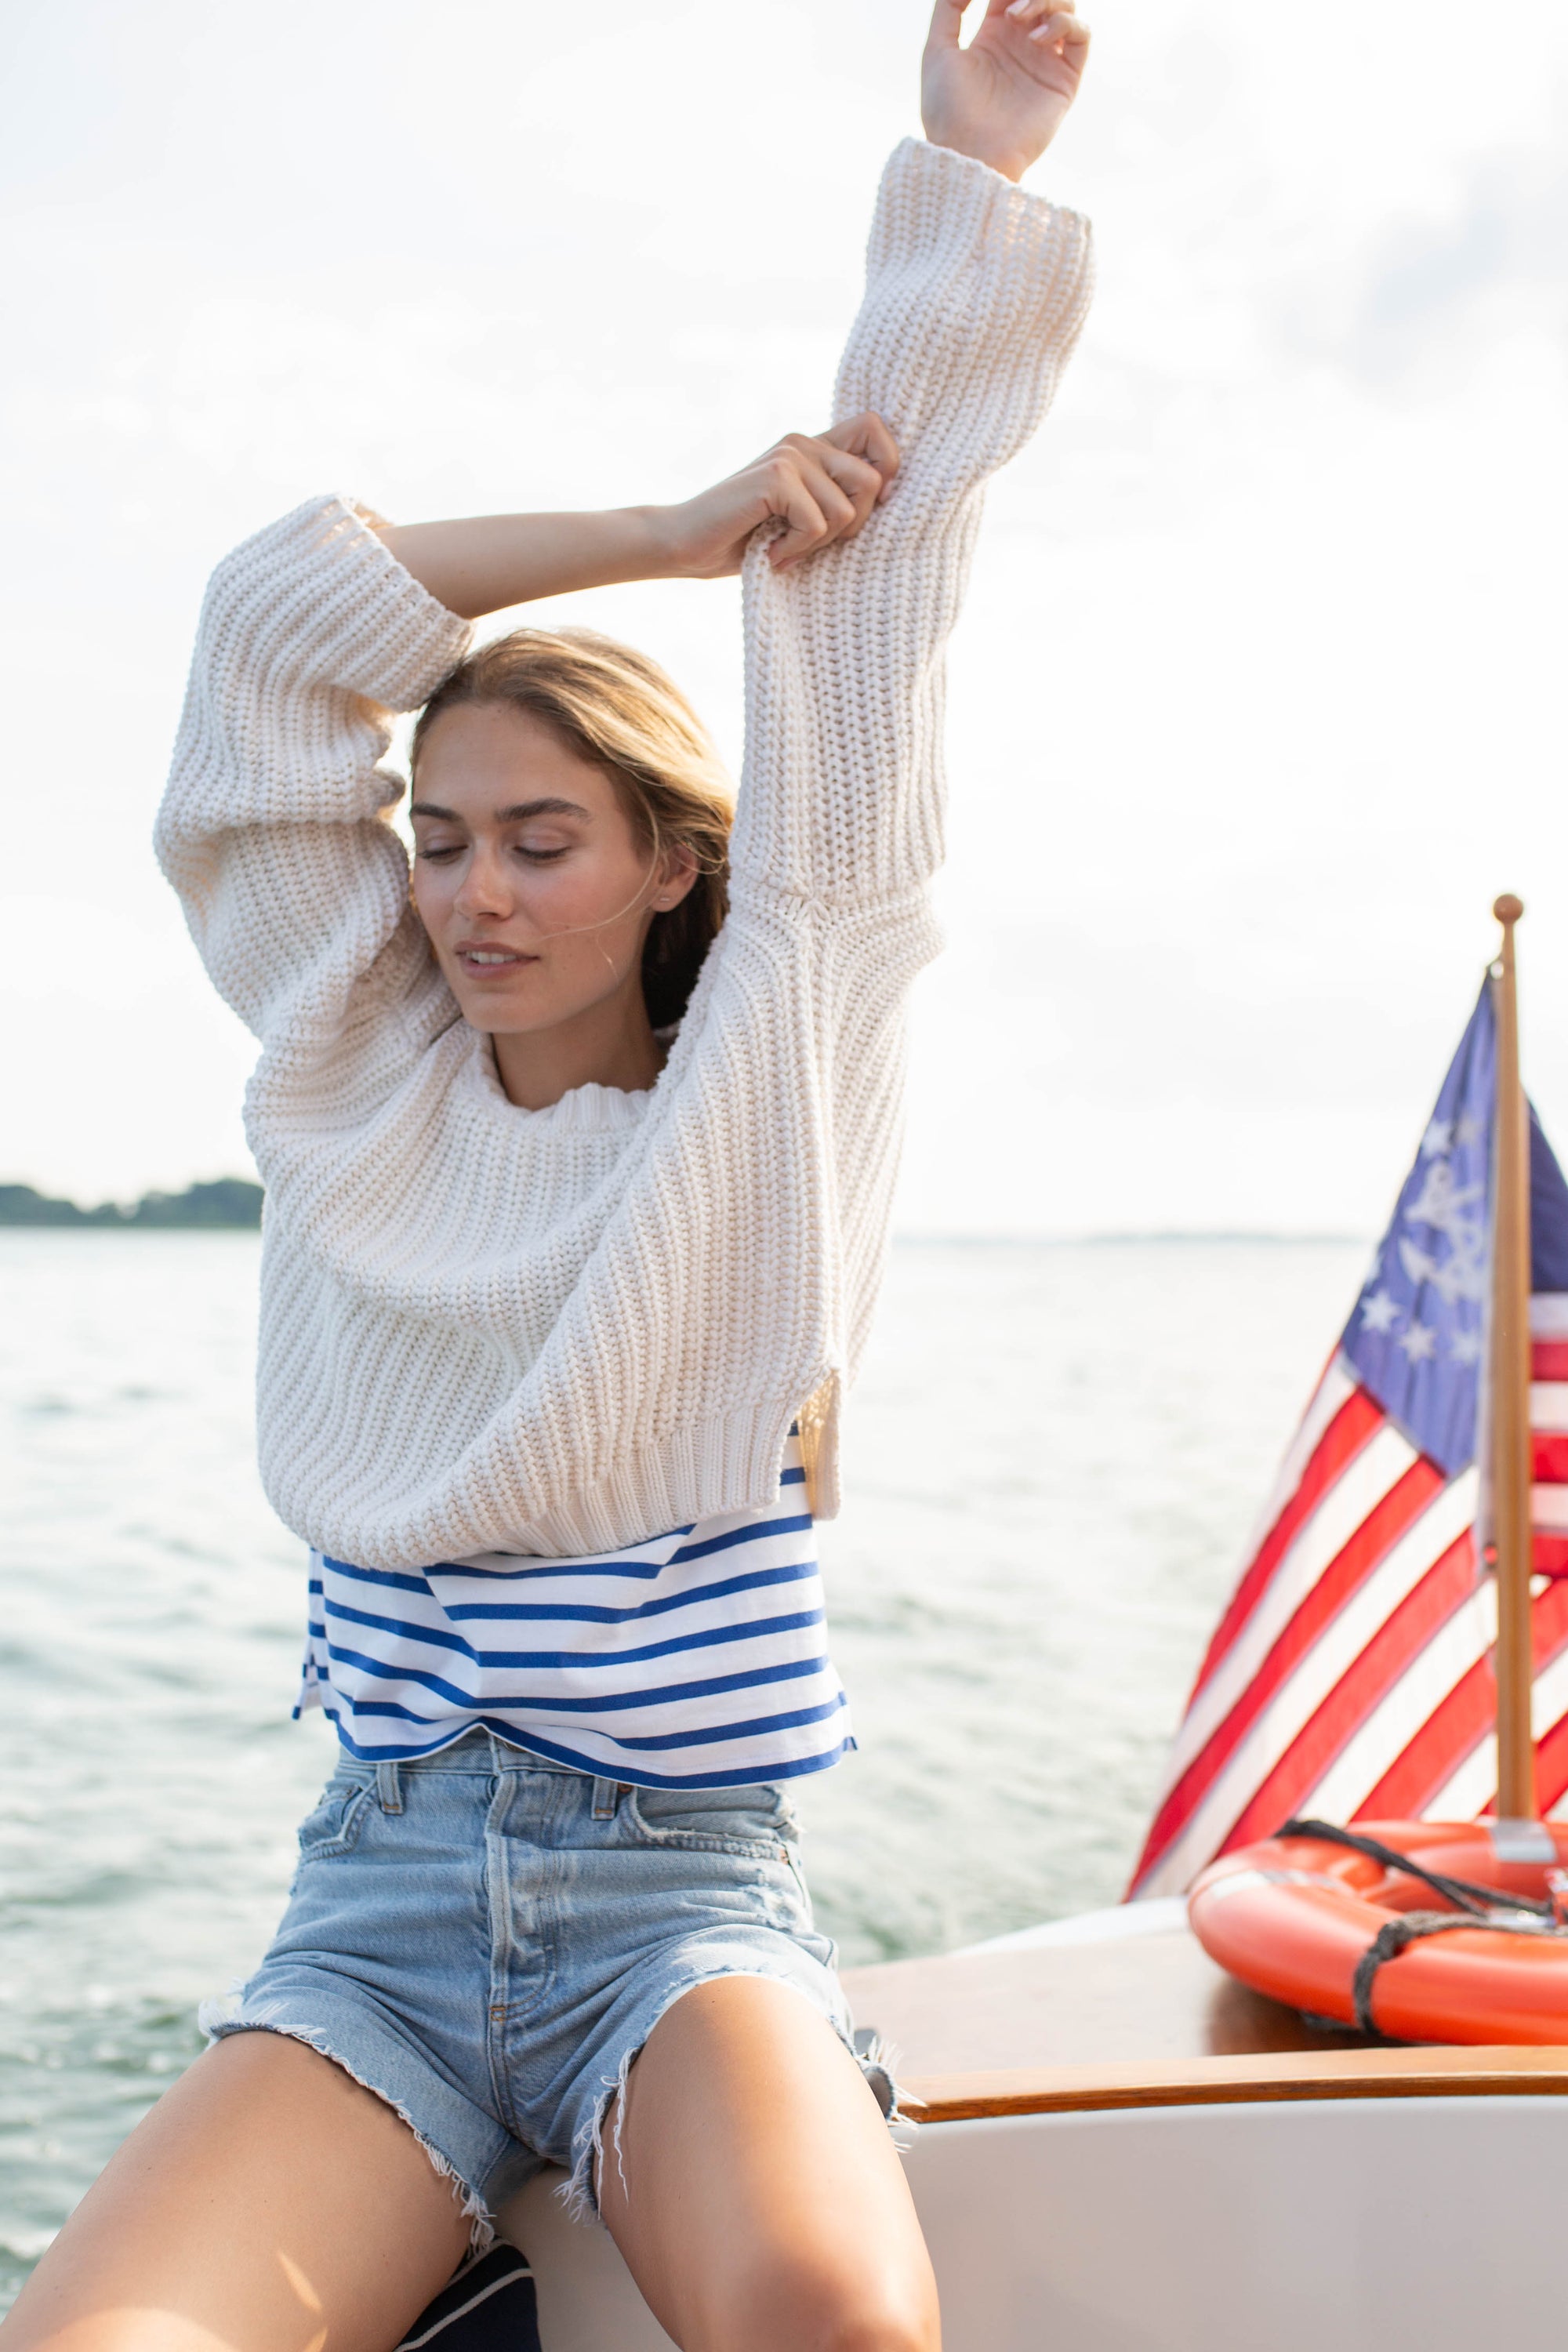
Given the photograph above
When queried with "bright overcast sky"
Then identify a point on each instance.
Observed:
(1258, 698)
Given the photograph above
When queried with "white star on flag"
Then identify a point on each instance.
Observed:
(1440, 1137)
(1471, 1130)
(1465, 1348)
(1380, 1313)
(1419, 1343)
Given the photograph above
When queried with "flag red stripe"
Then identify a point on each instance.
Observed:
(1352, 1565)
(1462, 1721)
(1548, 1627)
(1549, 1457)
(1363, 1685)
(1446, 1736)
(1549, 1359)
(1354, 1426)
(1549, 1554)
(1551, 1764)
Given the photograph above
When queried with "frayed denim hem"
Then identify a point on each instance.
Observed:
(877, 2060)
(476, 2212)
(579, 2192)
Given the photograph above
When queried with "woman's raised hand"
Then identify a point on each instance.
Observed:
(1003, 98)
(821, 486)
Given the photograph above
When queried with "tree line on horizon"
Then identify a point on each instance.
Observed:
(226, 1203)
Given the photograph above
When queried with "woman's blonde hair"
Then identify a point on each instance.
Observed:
(613, 706)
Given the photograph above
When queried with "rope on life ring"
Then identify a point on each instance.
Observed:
(1409, 1928)
(1479, 1906)
(1476, 1899)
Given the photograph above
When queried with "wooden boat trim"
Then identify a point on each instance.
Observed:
(1278, 2074)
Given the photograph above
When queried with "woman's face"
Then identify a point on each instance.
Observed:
(529, 876)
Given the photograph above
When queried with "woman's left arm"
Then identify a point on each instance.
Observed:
(813, 491)
(976, 295)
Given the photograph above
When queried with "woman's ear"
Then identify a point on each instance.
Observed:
(677, 872)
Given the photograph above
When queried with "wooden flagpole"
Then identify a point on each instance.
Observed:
(1508, 1370)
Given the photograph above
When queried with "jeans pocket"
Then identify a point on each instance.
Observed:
(757, 1821)
(334, 1826)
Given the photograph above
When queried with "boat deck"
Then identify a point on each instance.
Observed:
(1139, 2021)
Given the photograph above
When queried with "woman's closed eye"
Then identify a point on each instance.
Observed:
(441, 853)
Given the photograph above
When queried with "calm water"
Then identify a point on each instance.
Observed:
(1055, 1456)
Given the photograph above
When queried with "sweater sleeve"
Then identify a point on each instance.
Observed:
(273, 827)
(976, 293)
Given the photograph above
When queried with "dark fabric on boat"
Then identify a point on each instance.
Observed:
(489, 2306)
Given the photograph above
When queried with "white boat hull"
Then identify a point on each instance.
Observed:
(1294, 2225)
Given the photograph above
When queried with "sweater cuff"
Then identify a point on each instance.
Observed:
(360, 620)
(965, 179)
(983, 261)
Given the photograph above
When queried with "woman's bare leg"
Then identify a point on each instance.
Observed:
(267, 2204)
(759, 2201)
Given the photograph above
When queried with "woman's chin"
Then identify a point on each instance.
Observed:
(501, 1005)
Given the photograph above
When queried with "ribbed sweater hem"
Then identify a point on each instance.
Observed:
(728, 1462)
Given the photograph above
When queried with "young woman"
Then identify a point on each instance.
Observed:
(578, 1168)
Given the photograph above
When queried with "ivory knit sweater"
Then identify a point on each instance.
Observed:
(488, 1329)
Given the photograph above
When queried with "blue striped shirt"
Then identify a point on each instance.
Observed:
(696, 1660)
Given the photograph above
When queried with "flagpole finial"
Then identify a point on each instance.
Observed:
(1507, 908)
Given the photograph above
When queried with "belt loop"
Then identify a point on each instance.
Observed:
(389, 1787)
(606, 1796)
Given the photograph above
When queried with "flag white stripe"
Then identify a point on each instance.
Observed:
(1337, 1383)
(1548, 1404)
(1470, 1787)
(1548, 1314)
(1409, 1707)
(1550, 1702)
(1322, 1537)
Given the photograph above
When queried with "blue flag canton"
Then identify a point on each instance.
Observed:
(1416, 1332)
(1548, 1216)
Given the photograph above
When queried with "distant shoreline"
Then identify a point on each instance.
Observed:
(1164, 1236)
(231, 1205)
(227, 1204)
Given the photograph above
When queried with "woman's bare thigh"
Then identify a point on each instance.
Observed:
(756, 2195)
(267, 2203)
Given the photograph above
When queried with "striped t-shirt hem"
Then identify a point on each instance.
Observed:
(695, 1660)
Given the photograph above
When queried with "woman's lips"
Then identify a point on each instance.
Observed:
(491, 962)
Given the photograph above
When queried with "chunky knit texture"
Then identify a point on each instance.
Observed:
(487, 1329)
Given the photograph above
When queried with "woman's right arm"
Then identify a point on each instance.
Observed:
(317, 632)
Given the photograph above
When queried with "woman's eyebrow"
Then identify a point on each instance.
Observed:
(515, 815)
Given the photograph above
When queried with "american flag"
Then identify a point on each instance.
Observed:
(1351, 1675)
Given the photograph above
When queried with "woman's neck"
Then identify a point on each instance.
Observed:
(608, 1044)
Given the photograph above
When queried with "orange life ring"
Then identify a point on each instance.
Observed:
(1297, 1917)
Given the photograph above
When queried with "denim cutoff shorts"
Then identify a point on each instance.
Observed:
(487, 1940)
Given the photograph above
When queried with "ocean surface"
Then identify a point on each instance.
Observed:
(1054, 1458)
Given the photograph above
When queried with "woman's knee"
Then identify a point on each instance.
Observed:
(809, 2307)
(888, 2330)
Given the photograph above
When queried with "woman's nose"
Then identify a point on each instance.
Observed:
(483, 889)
